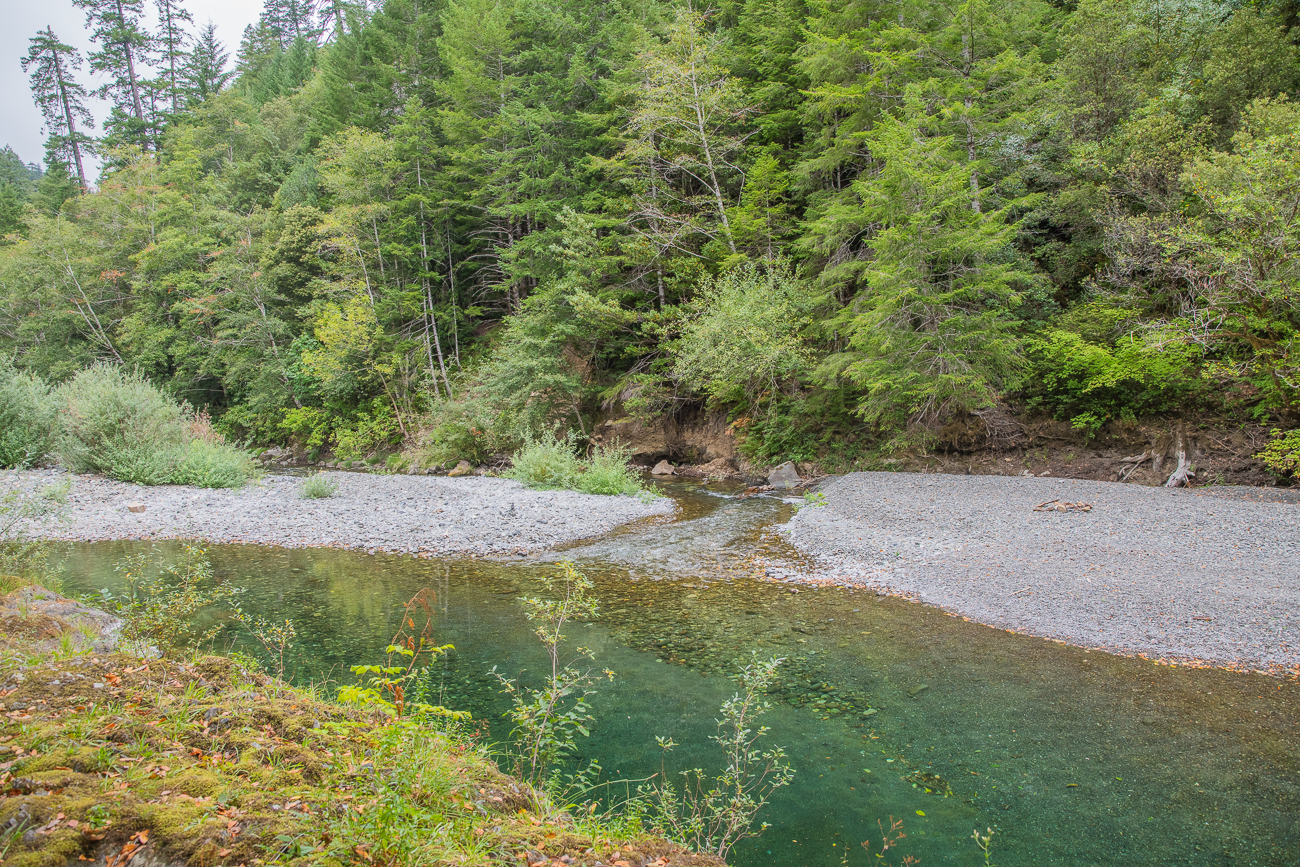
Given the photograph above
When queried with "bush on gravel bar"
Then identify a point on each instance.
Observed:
(27, 409)
(608, 472)
(546, 463)
(549, 463)
(118, 423)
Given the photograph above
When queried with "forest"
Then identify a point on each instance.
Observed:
(462, 224)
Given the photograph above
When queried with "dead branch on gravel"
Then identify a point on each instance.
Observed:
(1062, 506)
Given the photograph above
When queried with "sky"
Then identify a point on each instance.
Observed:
(20, 121)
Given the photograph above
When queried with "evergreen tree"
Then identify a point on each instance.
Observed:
(56, 186)
(686, 136)
(124, 45)
(933, 328)
(173, 39)
(290, 20)
(50, 64)
(204, 72)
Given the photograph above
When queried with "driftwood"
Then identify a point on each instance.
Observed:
(1184, 472)
(1133, 462)
(1060, 506)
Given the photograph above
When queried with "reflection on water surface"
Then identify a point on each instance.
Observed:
(1074, 758)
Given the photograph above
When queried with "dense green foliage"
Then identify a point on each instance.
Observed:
(27, 413)
(462, 223)
(548, 463)
(121, 425)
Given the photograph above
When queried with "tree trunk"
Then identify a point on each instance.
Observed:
(67, 115)
(1183, 451)
(130, 68)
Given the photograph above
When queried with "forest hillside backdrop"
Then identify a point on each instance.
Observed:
(842, 226)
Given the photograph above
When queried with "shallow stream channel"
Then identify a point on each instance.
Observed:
(886, 708)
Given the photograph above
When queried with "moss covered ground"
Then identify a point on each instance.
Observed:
(118, 760)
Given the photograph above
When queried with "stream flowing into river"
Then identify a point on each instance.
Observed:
(886, 708)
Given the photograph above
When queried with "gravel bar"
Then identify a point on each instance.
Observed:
(426, 515)
(1207, 574)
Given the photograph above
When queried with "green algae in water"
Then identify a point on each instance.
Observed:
(1072, 757)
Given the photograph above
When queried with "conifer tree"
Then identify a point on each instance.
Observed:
(172, 42)
(124, 47)
(290, 20)
(204, 73)
(50, 64)
(932, 330)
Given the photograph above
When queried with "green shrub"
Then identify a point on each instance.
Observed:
(1089, 383)
(608, 472)
(317, 487)
(744, 337)
(27, 411)
(121, 425)
(546, 463)
(1282, 454)
(549, 463)
(367, 433)
(212, 465)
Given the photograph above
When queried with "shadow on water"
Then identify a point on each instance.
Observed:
(1073, 757)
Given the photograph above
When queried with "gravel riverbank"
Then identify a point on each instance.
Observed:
(427, 515)
(1210, 574)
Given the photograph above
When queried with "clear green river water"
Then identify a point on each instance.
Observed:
(1072, 757)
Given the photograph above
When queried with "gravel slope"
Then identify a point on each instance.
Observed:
(405, 514)
(1208, 574)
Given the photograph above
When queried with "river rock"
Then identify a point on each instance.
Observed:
(87, 628)
(461, 469)
(135, 508)
(784, 476)
(663, 468)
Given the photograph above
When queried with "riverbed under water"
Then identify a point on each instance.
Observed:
(1072, 757)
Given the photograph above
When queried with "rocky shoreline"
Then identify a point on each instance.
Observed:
(1192, 575)
(421, 515)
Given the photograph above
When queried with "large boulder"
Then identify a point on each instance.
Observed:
(663, 468)
(461, 469)
(784, 476)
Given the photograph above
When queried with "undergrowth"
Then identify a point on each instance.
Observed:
(204, 760)
(318, 487)
(27, 412)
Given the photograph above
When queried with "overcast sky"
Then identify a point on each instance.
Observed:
(20, 122)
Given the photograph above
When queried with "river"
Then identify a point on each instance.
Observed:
(887, 709)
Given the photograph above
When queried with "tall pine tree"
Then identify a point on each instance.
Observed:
(124, 46)
(62, 101)
(204, 73)
(173, 39)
